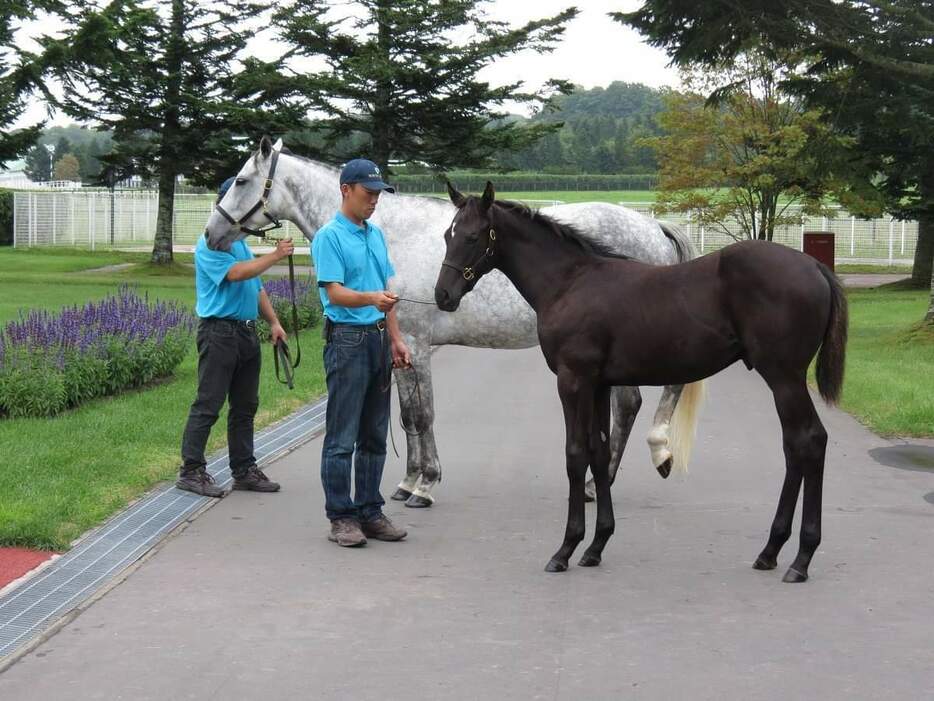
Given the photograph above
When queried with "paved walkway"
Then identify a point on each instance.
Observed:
(251, 601)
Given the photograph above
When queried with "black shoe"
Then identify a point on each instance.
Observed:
(255, 481)
(199, 482)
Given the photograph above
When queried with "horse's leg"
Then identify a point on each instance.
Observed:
(626, 402)
(423, 460)
(805, 444)
(599, 466)
(408, 410)
(577, 400)
(659, 434)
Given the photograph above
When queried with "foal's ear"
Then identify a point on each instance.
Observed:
(265, 146)
(457, 198)
(488, 195)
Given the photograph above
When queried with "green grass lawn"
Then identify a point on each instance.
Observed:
(889, 383)
(61, 476)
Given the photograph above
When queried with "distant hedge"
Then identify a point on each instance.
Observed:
(528, 182)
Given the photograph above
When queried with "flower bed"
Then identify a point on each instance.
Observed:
(306, 299)
(51, 362)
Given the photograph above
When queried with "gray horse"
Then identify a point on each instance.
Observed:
(307, 194)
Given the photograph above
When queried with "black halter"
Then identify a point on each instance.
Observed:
(469, 272)
(264, 198)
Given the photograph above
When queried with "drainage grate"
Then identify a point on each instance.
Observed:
(38, 602)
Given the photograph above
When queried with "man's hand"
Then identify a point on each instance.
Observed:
(277, 333)
(384, 301)
(401, 358)
(284, 248)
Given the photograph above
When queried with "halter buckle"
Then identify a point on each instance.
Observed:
(468, 274)
(268, 185)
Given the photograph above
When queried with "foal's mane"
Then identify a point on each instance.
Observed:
(567, 232)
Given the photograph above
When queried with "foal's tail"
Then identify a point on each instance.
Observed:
(680, 240)
(832, 355)
(684, 424)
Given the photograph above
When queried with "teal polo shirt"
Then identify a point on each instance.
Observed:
(357, 258)
(218, 296)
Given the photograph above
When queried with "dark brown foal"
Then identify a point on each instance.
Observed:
(605, 321)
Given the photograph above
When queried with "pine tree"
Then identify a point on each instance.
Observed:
(397, 77)
(161, 75)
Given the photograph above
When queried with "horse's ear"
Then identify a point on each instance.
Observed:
(457, 198)
(278, 145)
(265, 146)
(488, 195)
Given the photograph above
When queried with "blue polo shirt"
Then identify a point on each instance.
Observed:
(218, 296)
(357, 258)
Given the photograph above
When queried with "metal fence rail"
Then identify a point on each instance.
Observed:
(127, 218)
(883, 240)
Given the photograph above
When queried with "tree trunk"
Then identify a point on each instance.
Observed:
(924, 253)
(382, 119)
(162, 246)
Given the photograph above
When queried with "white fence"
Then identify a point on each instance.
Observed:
(856, 240)
(127, 218)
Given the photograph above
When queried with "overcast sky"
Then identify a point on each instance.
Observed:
(595, 50)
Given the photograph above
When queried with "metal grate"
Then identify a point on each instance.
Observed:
(38, 602)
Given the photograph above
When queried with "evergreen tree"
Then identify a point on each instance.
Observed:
(398, 77)
(161, 75)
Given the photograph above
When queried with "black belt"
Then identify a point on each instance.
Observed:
(248, 323)
(378, 326)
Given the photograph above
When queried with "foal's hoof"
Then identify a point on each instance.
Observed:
(590, 491)
(556, 566)
(417, 502)
(400, 494)
(765, 563)
(792, 576)
(664, 469)
(589, 560)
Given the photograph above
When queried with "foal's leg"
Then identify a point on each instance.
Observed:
(626, 402)
(409, 412)
(599, 463)
(805, 443)
(659, 434)
(577, 400)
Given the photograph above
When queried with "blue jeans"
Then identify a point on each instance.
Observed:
(356, 360)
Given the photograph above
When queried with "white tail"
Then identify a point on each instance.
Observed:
(684, 424)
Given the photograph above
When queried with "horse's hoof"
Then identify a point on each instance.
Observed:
(400, 494)
(589, 560)
(792, 576)
(590, 492)
(556, 566)
(664, 469)
(417, 502)
(765, 563)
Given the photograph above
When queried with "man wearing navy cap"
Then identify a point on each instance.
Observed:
(353, 269)
(229, 296)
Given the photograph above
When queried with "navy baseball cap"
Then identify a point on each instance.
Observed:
(225, 186)
(365, 172)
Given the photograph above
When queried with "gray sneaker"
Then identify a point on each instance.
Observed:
(346, 533)
(255, 481)
(381, 528)
(199, 482)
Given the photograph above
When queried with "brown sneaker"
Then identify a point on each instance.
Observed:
(381, 528)
(346, 533)
(199, 482)
(255, 481)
